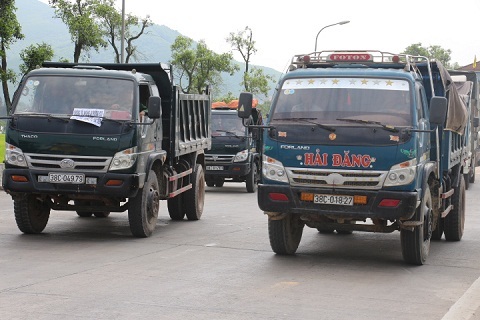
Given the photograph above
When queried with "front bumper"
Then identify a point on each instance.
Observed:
(128, 188)
(404, 210)
(230, 170)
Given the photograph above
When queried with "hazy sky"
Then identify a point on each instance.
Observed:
(282, 29)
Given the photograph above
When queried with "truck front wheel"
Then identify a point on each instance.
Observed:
(143, 208)
(252, 179)
(416, 243)
(285, 234)
(31, 214)
(195, 197)
(455, 221)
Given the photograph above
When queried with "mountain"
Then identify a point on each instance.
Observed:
(39, 25)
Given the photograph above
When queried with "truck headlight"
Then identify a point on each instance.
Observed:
(124, 159)
(273, 169)
(401, 174)
(241, 156)
(14, 155)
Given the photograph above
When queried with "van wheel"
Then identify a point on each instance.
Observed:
(31, 214)
(101, 214)
(252, 179)
(455, 220)
(219, 182)
(143, 208)
(195, 197)
(285, 234)
(416, 244)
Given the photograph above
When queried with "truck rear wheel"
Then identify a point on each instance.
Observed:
(195, 197)
(176, 209)
(455, 220)
(31, 214)
(143, 208)
(285, 234)
(416, 243)
(252, 179)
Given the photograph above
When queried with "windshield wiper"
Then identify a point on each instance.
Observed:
(229, 132)
(384, 126)
(308, 120)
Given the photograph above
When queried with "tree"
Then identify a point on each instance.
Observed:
(432, 52)
(254, 80)
(10, 31)
(79, 16)
(35, 55)
(198, 66)
(111, 25)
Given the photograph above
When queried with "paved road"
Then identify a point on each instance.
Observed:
(222, 267)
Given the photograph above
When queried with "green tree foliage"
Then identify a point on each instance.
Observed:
(10, 32)
(111, 26)
(254, 80)
(197, 67)
(35, 55)
(432, 52)
(226, 98)
(80, 18)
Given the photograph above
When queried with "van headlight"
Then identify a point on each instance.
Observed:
(14, 156)
(124, 159)
(401, 174)
(273, 169)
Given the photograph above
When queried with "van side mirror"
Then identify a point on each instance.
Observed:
(438, 110)
(154, 111)
(245, 102)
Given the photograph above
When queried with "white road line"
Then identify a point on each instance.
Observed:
(467, 305)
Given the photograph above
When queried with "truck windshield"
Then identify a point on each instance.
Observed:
(66, 96)
(225, 124)
(329, 99)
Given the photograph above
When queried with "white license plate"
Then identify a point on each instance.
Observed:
(66, 178)
(333, 199)
(214, 168)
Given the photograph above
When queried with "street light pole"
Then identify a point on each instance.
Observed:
(122, 47)
(339, 23)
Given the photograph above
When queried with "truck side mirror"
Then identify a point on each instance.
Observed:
(476, 122)
(154, 103)
(245, 102)
(438, 110)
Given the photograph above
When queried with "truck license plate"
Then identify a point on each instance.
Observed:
(66, 178)
(333, 199)
(214, 168)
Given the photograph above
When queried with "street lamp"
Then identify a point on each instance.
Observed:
(341, 22)
(122, 47)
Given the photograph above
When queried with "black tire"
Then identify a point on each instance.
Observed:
(31, 214)
(325, 230)
(285, 234)
(466, 177)
(176, 209)
(219, 182)
(416, 243)
(143, 208)
(252, 179)
(195, 197)
(438, 232)
(84, 214)
(210, 183)
(101, 214)
(455, 219)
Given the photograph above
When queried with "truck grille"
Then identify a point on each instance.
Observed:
(66, 162)
(359, 179)
(219, 158)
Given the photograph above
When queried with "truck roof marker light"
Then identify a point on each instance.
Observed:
(389, 203)
(275, 196)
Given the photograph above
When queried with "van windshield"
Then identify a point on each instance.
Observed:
(329, 99)
(62, 95)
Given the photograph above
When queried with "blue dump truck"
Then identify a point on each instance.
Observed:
(234, 155)
(102, 138)
(364, 141)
